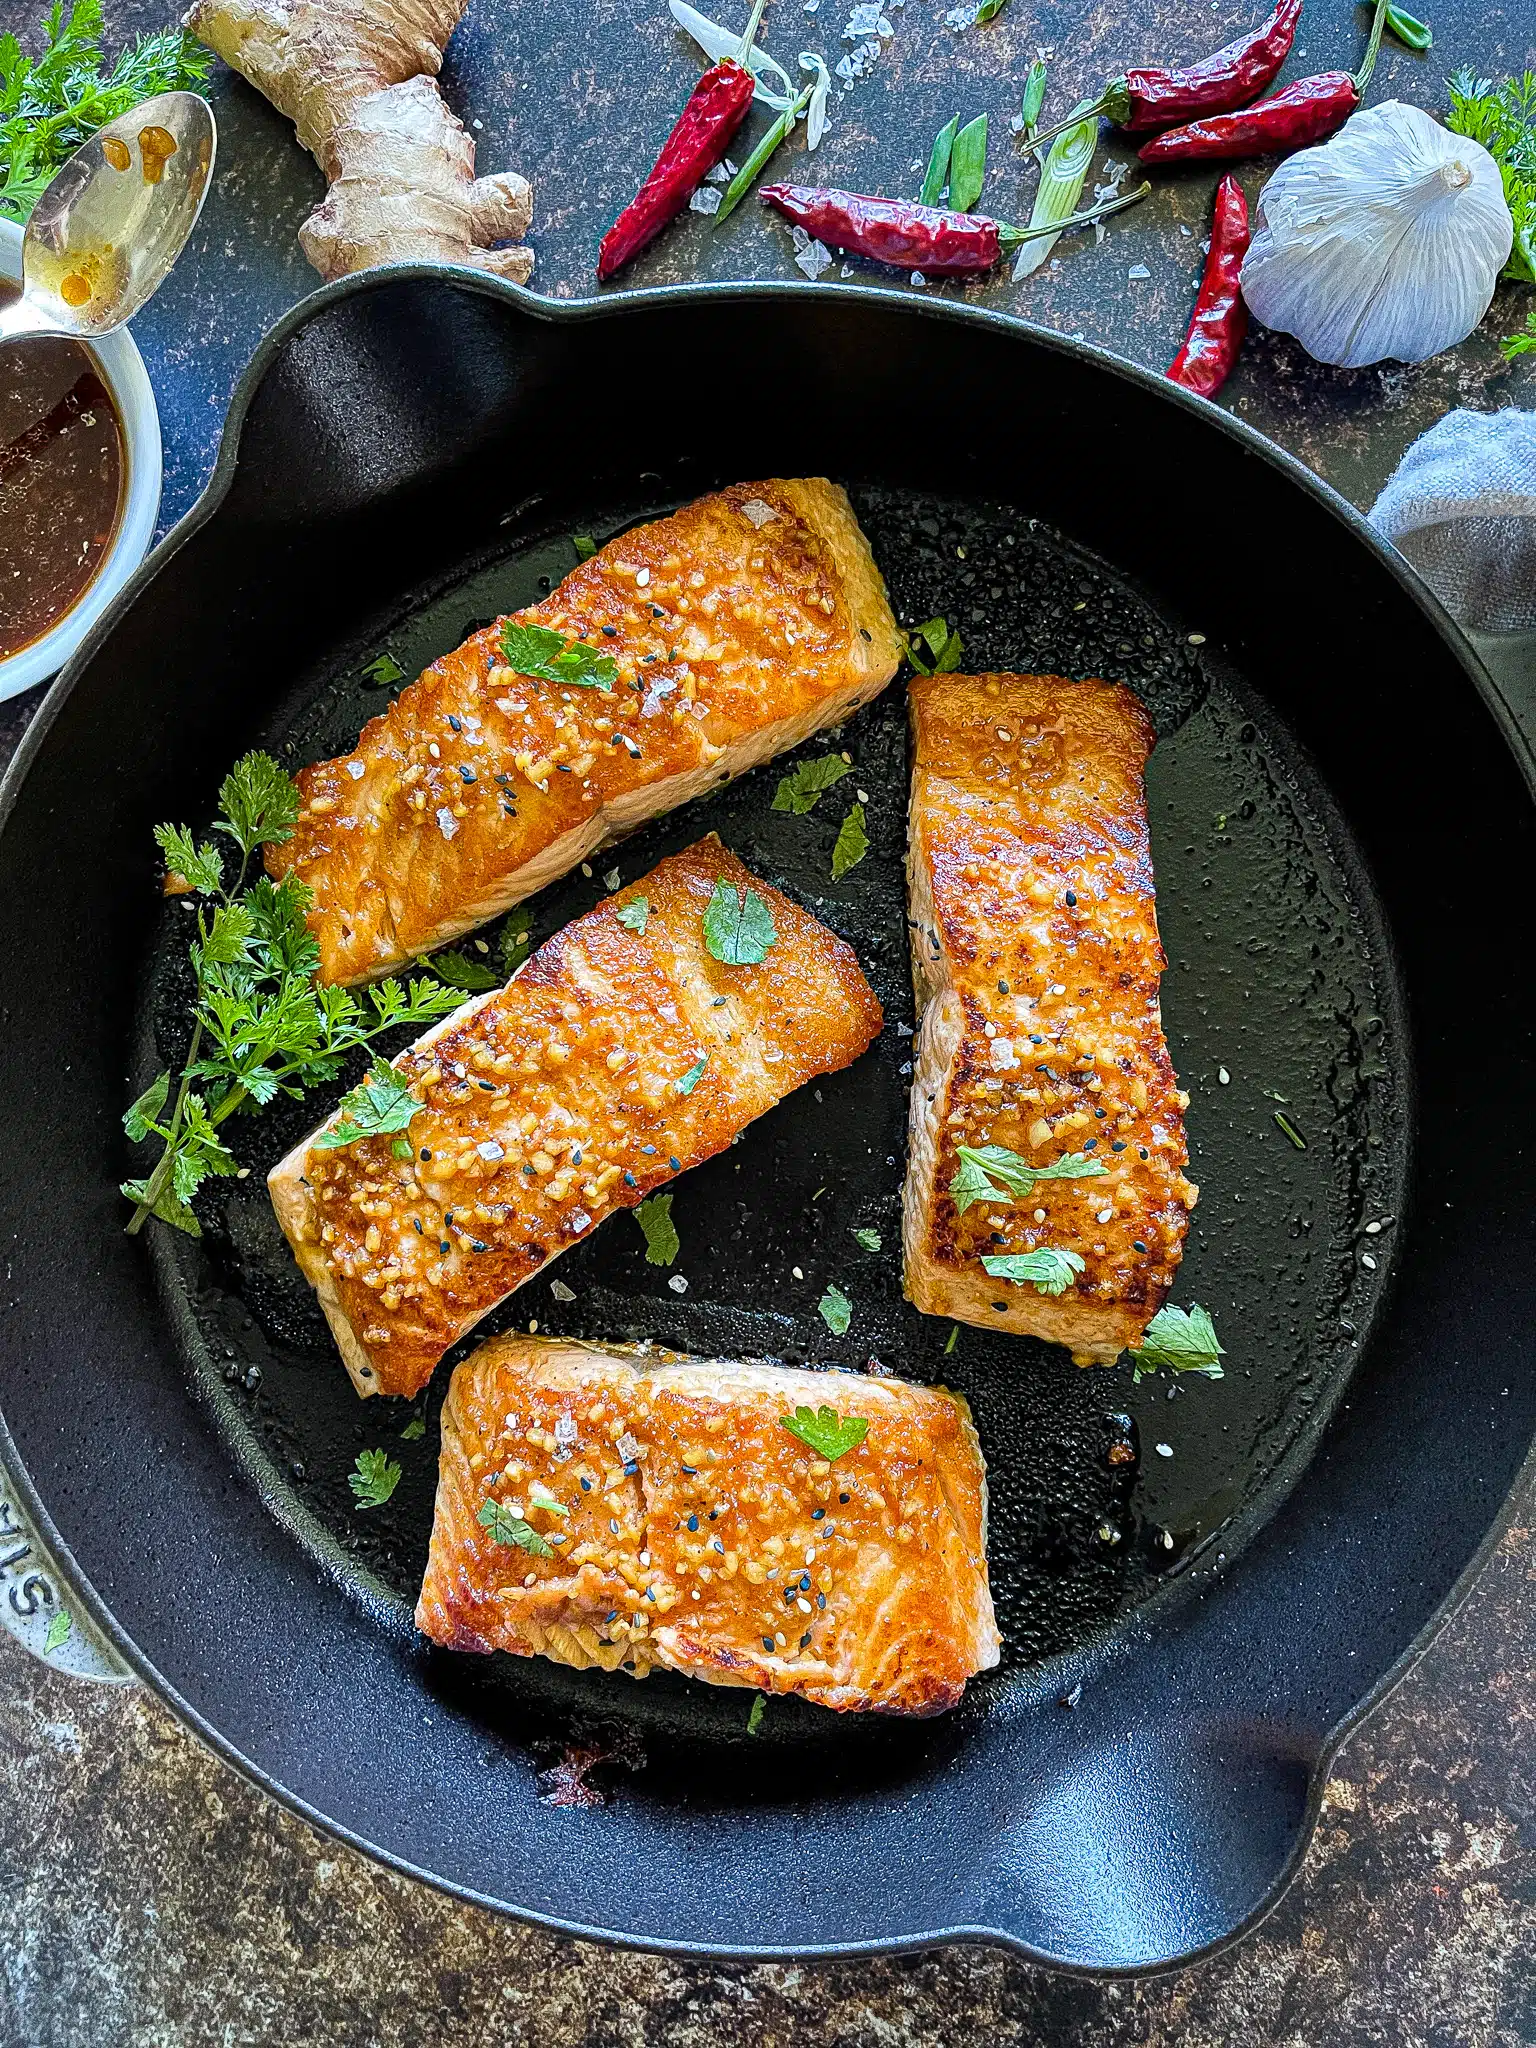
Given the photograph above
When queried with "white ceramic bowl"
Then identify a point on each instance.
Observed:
(123, 373)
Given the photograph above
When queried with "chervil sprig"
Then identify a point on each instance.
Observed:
(261, 1027)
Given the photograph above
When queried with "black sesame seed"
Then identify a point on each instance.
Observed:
(1090, 1144)
(1117, 1144)
(805, 1582)
(817, 1513)
(612, 632)
(692, 1471)
(576, 1157)
(476, 1246)
(1002, 988)
(613, 1529)
(676, 1165)
(844, 1498)
(1143, 1151)
(454, 723)
(805, 1639)
(717, 1545)
(767, 1642)
(586, 1486)
(1101, 1114)
(693, 1524)
(629, 1180)
(1071, 899)
(1139, 1245)
(467, 774)
(630, 1468)
(488, 1086)
(445, 1246)
(821, 1599)
(647, 1149)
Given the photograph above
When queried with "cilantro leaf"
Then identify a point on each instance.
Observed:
(954, 1339)
(933, 648)
(383, 672)
(662, 1243)
(548, 657)
(802, 789)
(375, 1479)
(635, 913)
(505, 1527)
(200, 867)
(140, 1118)
(59, 1630)
(1048, 1271)
(836, 1311)
(689, 1081)
(380, 1105)
(870, 1239)
(585, 546)
(738, 926)
(981, 1165)
(852, 843)
(1521, 344)
(260, 803)
(459, 971)
(514, 942)
(755, 1718)
(414, 1430)
(1184, 1340)
(825, 1432)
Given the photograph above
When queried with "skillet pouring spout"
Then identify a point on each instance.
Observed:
(1219, 1576)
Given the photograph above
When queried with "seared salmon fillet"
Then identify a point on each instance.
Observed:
(736, 628)
(1036, 960)
(622, 1053)
(677, 1524)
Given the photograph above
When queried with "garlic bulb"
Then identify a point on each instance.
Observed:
(1386, 241)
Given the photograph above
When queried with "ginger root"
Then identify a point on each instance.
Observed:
(358, 79)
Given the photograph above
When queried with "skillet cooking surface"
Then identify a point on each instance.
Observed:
(1341, 843)
(1280, 979)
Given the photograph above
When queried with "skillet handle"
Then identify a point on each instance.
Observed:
(1510, 658)
(36, 1606)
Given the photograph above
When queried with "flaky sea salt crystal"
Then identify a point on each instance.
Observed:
(627, 1447)
(356, 770)
(678, 1284)
(565, 1428)
(959, 18)
(1138, 272)
(489, 1149)
(754, 509)
(705, 200)
(447, 823)
(811, 256)
(867, 20)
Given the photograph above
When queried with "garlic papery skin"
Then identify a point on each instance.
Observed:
(1386, 241)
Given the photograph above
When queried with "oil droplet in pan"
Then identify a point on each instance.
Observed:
(156, 146)
(117, 154)
(74, 289)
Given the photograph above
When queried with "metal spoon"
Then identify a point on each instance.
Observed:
(104, 235)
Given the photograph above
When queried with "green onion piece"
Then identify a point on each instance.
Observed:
(1011, 237)
(989, 10)
(968, 165)
(1033, 99)
(1416, 34)
(746, 177)
(938, 164)
(1061, 185)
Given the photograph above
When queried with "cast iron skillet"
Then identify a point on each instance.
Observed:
(1342, 826)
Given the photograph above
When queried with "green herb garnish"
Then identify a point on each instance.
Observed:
(937, 176)
(414, 1430)
(689, 1081)
(870, 1239)
(548, 657)
(954, 1339)
(514, 941)
(662, 1243)
(380, 1105)
(505, 1527)
(383, 671)
(1290, 1130)
(755, 1718)
(933, 649)
(60, 1628)
(1521, 344)
(1048, 1271)
(540, 1497)
(585, 546)
(1032, 99)
(375, 1479)
(1503, 119)
(802, 789)
(260, 1026)
(836, 1311)
(635, 913)
(851, 845)
(825, 1432)
(50, 104)
(1184, 1340)
(968, 160)
(981, 1165)
(989, 10)
(738, 926)
(457, 970)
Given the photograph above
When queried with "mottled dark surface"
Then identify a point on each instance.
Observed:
(147, 1896)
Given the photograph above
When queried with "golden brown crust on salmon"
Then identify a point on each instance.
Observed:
(575, 1090)
(701, 1536)
(1036, 961)
(739, 626)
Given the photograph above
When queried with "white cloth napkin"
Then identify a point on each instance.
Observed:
(1461, 505)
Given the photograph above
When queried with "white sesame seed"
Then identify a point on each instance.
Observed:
(1039, 1215)
(1106, 1216)
(1367, 1260)
(797, 1272)
(643, 578)
(1165, 1450)
(1223, 1076)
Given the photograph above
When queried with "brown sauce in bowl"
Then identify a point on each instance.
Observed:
(61, 481)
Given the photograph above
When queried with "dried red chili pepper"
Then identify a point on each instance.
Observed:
(1220, 319)
(912, 237)
(1302, 114)
(700, 137)
(1156, 98)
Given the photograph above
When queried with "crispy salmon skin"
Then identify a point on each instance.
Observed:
(679, 1525)
(736, 628)
(621, 1054)
(1036, 960)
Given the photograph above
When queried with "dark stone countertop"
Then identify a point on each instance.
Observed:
(148, 1895)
